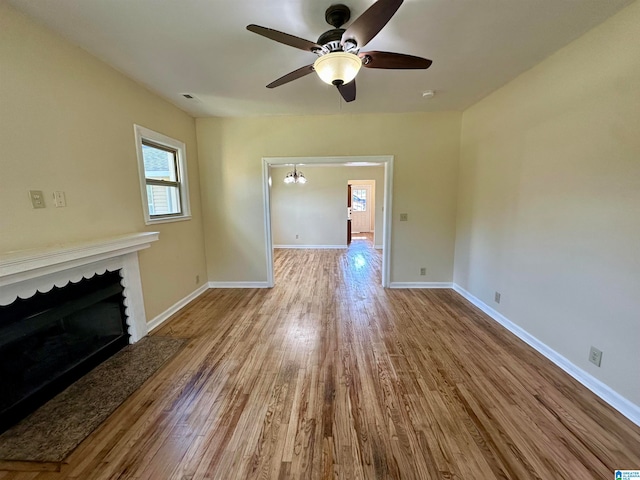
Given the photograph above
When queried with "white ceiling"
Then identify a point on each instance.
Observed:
(201, 47)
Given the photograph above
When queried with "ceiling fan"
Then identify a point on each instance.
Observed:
(338, 50)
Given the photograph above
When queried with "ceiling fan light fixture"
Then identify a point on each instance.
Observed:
(337, 68)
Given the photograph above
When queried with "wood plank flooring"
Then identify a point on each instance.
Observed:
(328, 375)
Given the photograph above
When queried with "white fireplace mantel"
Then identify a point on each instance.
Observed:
(25, 272)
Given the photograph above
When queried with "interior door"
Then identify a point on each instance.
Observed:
(360, 208)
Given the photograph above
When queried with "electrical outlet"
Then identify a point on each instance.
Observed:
(297, 236)
(37, 198)
(404, 217)
(497, 297)
(197, 279)
(423, 271)
(59, 199)
(595, 356)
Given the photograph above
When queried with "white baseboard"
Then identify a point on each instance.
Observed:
(238, 285)
(311, 246)
(421, 285)
(606, 393)
(160, 319)
(378, 247)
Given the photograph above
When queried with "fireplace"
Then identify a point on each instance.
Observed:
(63, 311)
(51, 339)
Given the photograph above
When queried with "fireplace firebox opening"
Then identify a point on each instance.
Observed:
(51, 339)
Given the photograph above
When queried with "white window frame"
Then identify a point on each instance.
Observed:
(141, 134)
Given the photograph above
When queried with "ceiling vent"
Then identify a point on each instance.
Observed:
(192, 97)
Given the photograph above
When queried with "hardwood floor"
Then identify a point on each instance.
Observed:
(367, 237)
(328, 375)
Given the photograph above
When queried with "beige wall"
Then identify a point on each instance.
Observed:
(549, 206)
(426, 150)
(66, 123)
(317, 210)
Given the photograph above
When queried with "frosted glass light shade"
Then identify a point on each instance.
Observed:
(336, 67)
(295, 177)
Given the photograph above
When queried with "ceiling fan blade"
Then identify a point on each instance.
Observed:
(392, 60)
(285, 38)
(367, 25)
(348, 91)
(289, 77)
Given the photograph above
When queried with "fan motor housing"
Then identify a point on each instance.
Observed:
(334, 35)
(337, 15)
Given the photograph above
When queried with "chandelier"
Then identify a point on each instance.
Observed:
(295, 177)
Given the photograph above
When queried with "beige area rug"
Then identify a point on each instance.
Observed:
(54, 430)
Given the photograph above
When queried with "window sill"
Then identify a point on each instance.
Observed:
(153, 221)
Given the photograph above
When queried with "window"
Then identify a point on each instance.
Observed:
(163, 176)
(359, 200)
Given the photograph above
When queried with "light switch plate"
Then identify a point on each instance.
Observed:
(37, 198)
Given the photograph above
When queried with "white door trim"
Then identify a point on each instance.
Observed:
(386, 160)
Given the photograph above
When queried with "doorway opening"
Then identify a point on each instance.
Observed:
(269, 165)
(363, 212)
